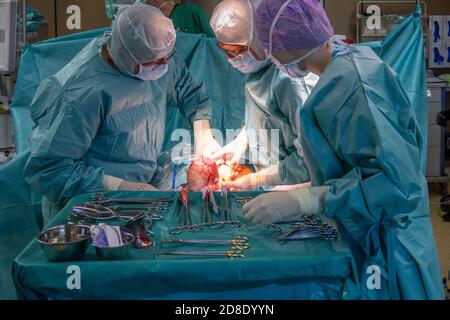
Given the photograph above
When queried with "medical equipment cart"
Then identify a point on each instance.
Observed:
(437, 120)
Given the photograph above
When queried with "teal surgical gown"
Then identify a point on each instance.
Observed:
(360, 136)
(272, 102)
(91, 120)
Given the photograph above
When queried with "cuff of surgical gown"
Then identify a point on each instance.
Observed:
(203, 114)
(292, 170)
(111, 183)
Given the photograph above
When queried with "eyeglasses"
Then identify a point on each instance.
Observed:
(233, 51)
(155, 64)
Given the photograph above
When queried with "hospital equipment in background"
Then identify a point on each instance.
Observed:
(364, 30)
(437, 122)
(9, 53)
(113, 6)
(439, 42)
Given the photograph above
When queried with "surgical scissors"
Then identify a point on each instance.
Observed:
(231, 254)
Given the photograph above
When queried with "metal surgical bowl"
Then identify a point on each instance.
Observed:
(65, 242)
(116, 253)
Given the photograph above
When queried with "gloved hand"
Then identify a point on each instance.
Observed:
(280, 206)
(266, 177)
(135, 186)
(234, 151)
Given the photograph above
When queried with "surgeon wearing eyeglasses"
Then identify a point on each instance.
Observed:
(99, 122)
(272, 101)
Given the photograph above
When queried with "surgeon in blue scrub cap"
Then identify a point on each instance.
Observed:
(362, 147)
(272, 100)
(99, 122)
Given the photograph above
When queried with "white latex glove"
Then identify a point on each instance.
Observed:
(233, 152)
(135, 186)
(280, 206)
(263, 178)
(205, 144)
(292, 187)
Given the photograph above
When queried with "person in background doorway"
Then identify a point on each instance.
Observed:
(186, 17)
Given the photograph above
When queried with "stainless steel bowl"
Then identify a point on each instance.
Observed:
(65, 242)
(116, 253)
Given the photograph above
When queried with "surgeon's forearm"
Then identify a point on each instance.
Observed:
(111, 183)
(60, 179)
(267, 177)
(202, 131)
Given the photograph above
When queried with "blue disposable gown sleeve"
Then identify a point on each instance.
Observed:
(376, 140)
(380, 194)
(292, 169)
(289, 95)
(58, 143)
(187, 93)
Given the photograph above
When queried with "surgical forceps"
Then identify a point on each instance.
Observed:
(93, 212)
(325, 231)
(99, 212)
(207, 219)
(231, 254)
(154, 207)
(228, 219)
(240, 242)
(100, 199)
(304, 220)
(183, 197)
(308, 220)
(243, 200)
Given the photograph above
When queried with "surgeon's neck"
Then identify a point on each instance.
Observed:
(167, 9)
(320, 65)
(107, 57)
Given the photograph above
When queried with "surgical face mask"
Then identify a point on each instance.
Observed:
(150, 73)
(292, 69)
(247, 63)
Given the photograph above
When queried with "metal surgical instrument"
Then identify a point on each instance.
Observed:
(99, 198)
(303, 220)
(232, 254)
(228, 219)
(244, 200)
(99, 212)
(183, 197)
(240, 242)
(324, 231)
